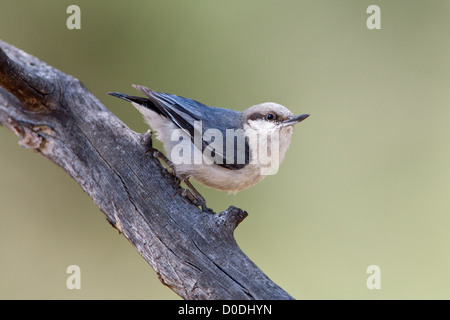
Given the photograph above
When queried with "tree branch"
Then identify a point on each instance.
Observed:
(193, 252)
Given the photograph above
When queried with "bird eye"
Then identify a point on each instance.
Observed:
(270, 116)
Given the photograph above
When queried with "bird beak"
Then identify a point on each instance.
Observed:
(294, 120)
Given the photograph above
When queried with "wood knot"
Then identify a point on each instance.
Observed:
(31, 136)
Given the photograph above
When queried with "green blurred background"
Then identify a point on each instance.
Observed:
(366, 180)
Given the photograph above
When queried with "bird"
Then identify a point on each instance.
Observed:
(221, 148)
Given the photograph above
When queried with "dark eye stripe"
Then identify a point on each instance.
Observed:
(262, 116)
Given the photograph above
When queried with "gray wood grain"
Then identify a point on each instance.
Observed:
(193, 252)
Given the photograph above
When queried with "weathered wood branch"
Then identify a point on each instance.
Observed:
(193, 252)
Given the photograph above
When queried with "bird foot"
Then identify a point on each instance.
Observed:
(160, 156)
(191, 194)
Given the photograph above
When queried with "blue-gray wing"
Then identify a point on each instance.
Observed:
(232, 153)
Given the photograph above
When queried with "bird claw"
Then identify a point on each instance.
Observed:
(160, 156)
(197, 200)
(191, 194)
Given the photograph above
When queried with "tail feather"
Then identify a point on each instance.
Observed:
(128, 98)
(145, 102)
(119, 95)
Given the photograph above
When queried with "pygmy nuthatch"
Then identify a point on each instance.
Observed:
(222, 148)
